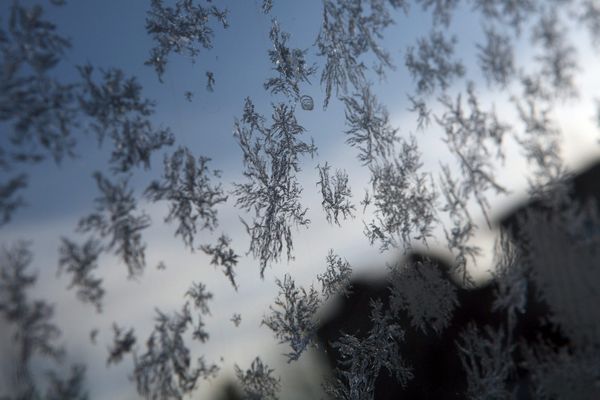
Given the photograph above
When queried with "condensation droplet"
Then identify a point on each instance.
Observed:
(307, 103)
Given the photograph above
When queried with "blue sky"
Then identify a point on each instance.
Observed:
(112, 34)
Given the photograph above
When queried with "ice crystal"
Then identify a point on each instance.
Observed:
(559, 56)
(257, 382)
(224, 256)
(271, 190)
(475, 139)
(290, 64)
(336, 278)
(165, 370)
(487, 360)
(369, 128)
(442, 10)
(431, 65)
(123, 342)
(292, 317)
(187, 185)
(73, 388)
(117, 110)
(336, 194)
(114, 219)
(184, 29)
(404, 199)
(425, 293)
(362, 359)
(80, 261)
(351, 30)
(496, 58)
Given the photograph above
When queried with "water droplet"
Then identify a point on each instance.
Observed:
(307, 103)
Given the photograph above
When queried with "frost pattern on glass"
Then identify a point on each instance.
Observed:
(336, 194)
(404, 200)
(335, 281)
(290, 65)
(271, 191)
(292, 317)
(223, 255)
(185, 29)
(80, 261)
(117, 110)
(165, 370)
(425, 293)
(430, 63)
(193, 198)
(115, 220)
(258, 382)
(369, 129)
(362, 358)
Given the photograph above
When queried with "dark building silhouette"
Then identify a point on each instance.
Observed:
(550, 234)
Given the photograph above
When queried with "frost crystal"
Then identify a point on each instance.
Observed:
(336, 279)
(288, 63)
(267, 5)
(442, 10)
(488, 362)
(9, 199)
(336, 194)
(186, 184)
(423, 113)
(362, 359)
(200, 297)
(425, 293)
(257, 381)
(430, 64)
(292, 318)
(123, 343)
(513, 13)
(272, 191)
(185, 30)
(39, 108)
(369, 128)
(349, 31)
(165, 370)
(210, 81)
(223, 255)
(474, 139)
(496, 58)
(559, 57)
(34, 334)
(114, 218)
(80, 262)
(404, 199)
(117, 110)
(236, 319)
(73, 388)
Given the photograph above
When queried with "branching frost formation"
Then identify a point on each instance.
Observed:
(271, 161)
(431, 65)
(290, 64)
(80, 261)
(185, 29)
(187, 185)
(350, 31)
(404, 200)
(362, 358)
(33, 334)
(369, 129)
(336, 194)
(292, 318)
(223, 255)
(114, 219)
(165, 370)
(258, 382)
